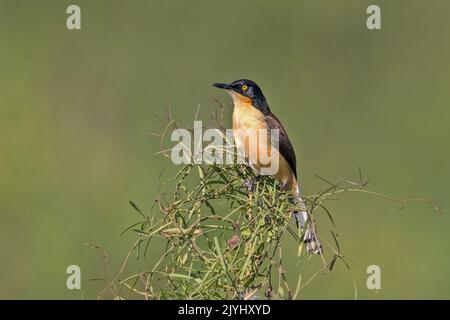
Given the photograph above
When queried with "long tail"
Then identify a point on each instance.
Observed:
(303, 220)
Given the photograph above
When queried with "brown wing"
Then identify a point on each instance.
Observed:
(285, 147)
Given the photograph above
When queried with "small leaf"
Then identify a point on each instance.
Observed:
(335, 240)
(137, 208)
(328, 213)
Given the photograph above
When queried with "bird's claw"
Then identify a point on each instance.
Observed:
(249, 184)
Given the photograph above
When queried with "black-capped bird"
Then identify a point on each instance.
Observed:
(251, 112)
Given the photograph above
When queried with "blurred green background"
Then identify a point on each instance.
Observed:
(75, 111)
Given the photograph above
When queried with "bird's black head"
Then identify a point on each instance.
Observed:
(247, 89)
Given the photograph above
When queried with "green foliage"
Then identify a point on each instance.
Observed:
(222, 241)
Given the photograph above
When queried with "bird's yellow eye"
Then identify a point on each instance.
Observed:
(244, 88)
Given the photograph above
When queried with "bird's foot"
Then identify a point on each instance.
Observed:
(250, 184)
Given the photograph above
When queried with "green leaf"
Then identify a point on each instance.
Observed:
(137, 208)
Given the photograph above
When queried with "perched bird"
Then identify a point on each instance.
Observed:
(251, 112)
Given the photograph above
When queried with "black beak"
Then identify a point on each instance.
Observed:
(222, 86)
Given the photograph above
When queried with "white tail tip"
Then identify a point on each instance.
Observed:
(310, 237)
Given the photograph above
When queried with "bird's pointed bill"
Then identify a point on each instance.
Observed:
(222, 86)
